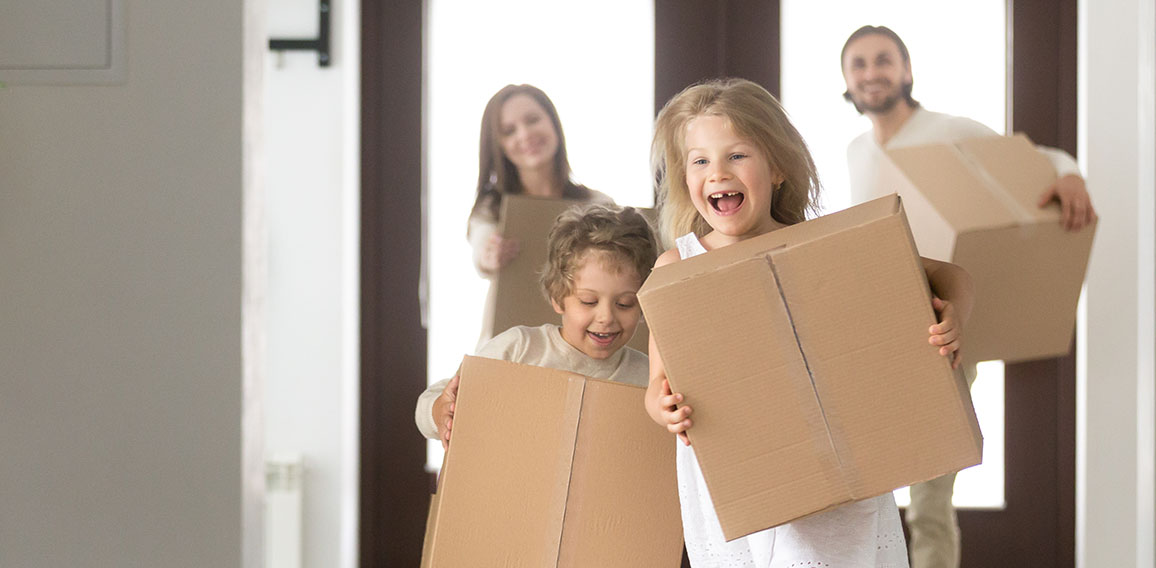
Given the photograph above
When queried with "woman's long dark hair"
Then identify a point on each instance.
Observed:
(497, 175)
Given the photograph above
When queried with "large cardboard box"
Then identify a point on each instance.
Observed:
(974, 203)
(804, 354)
(552, 469)
(518, 296)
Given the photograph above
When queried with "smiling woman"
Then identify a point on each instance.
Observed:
(473, 49)
(523, 152)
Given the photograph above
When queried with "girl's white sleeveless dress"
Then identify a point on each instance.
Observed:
(860, 534)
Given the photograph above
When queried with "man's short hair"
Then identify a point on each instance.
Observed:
(887, 33)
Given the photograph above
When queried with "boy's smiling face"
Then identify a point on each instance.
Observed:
(601, 312)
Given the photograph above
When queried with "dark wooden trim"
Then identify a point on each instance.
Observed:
(1038, 526)
(393, 484)
(696, 40)
(705, 39)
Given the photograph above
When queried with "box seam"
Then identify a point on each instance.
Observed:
(570, 475)
(810, 375)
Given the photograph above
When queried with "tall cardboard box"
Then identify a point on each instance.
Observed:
(804, 354)
(551, 469)
(973, 203)
(518, 296)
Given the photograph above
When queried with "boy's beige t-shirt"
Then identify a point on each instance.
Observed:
(542, 346)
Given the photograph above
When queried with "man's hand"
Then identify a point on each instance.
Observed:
(1075, 204)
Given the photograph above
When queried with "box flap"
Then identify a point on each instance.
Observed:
(941, 173)
(1019, 170)
(980, 183)
(631, 513)
(781, 238)
(491, 441)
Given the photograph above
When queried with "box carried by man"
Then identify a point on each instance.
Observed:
(974, 203)
(550, 468)
(804, 354)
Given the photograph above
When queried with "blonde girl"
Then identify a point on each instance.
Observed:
(730, 166)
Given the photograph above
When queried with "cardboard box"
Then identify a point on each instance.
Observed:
(973, 203)
(804, 353)
(518, 296)
(549, 468)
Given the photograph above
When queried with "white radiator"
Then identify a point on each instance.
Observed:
(283, 496)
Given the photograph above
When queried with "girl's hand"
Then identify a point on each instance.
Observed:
(676, 420)
(947, 334)
(499, 252)
(443, 410)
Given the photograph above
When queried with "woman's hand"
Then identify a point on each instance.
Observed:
(443, 410)
(948, 333)
(498, 253)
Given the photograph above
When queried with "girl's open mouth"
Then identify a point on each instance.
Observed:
(726, 202)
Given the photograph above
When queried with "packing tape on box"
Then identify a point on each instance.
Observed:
(995, 188)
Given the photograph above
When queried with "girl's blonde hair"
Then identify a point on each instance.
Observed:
(622, 233)
(755, 115)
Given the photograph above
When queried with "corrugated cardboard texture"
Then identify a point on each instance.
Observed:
(974, 203)
(804, 353)
(518, 296)
(548, 468)
(618, 514)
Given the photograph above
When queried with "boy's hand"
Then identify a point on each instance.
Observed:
(443, 410)
(499, 252)
(677, 420)
(947, 334)
(1075, 204)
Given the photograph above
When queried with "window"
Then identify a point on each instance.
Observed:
(595, 59)
(958, 58)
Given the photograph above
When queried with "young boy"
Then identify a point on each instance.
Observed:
(598, 258)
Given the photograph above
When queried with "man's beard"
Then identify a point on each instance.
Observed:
(882, 107)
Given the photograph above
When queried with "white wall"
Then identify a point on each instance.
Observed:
(1115, 423)
(120, 303)
(311, 210)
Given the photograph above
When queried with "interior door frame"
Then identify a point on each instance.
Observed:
(694, 40)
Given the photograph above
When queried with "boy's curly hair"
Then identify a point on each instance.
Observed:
(620, 232)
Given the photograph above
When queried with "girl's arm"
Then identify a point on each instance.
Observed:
(953, 296)
(661, 404)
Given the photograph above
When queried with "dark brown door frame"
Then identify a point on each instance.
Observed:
(394, 488)
(694, 40)
(707, 39)
(1038, 527)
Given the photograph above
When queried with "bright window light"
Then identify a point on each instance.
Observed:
(958, 59)
(595, 60)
